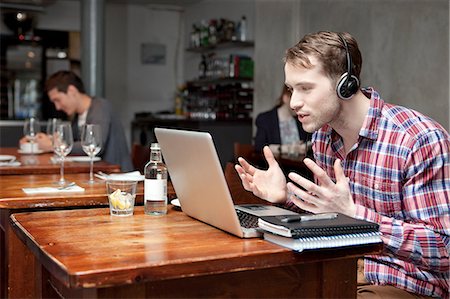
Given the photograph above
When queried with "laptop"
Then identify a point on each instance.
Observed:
(200, 184)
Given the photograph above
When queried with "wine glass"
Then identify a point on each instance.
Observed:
(30, 130)
(52, 124)
(91, 142)
(62, 145)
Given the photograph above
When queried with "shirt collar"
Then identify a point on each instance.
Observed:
(369, 128)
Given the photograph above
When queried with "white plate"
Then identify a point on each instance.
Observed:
(7, 158)
(176, 202)
(21, 151)
(81, 159)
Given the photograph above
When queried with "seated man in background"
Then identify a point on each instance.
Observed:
(279, 125)
(66, 91)
(375, 161)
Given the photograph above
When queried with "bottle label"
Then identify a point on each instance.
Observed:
(155, 189)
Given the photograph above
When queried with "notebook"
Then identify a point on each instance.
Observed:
(326, 230)
(309, 225)
(200, 184)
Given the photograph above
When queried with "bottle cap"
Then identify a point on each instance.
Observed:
(155, 146)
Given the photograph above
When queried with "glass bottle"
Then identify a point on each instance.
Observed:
(243, 29)
(155, 183)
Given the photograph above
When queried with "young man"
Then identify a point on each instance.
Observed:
(66, 91)
(375, 161)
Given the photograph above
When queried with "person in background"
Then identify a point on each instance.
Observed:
(66, 91)
(373, 160)
(279, 125)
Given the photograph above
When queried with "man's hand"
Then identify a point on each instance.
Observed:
(44, 141)
(267, 184)
(325, 197)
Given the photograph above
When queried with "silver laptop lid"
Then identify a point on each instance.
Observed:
(198, 178)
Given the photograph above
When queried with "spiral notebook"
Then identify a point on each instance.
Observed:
(327, 230)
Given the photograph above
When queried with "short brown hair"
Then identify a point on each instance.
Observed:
(61, 81)
(329, 49)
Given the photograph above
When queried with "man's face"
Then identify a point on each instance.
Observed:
(63, 101)
(314, 98)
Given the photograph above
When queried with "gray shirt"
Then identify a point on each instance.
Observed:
(114, 148)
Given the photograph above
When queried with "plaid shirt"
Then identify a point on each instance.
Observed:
(399, 174)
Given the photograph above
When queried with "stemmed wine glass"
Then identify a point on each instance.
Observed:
(52, 124)
(62, 145)
(91, 142)
(30, 130)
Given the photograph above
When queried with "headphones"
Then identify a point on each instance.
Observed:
(348, 84)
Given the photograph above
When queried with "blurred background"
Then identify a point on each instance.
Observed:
(210, 64)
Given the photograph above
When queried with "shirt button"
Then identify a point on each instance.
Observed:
(377, 186)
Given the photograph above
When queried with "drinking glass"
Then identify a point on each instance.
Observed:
(30, 129)
(62, 145)
(91, 142)
(52, 124)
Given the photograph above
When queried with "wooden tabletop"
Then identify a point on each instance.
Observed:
(90, 248)
(42, 164)
(13, 197)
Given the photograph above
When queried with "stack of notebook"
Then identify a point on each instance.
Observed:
(327, 230)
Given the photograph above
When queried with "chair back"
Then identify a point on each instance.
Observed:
(238, 193)
(140, 155)
(243, 150)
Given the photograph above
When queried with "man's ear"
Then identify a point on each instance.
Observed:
(72, 90)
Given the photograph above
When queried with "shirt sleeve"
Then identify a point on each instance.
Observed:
(422, 236)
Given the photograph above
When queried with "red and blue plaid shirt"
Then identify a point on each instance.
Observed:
(399, 174)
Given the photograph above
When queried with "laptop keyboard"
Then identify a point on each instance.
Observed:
(247, 220)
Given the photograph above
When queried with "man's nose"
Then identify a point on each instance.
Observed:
(296, 101)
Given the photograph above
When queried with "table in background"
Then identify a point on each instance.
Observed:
(43, 165)
(13, 199)
(92, 254)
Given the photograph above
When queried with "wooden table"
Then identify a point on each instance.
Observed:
(42, 164)
(13, 199)
(88, 253)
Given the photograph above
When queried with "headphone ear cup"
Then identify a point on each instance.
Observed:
(347, 87)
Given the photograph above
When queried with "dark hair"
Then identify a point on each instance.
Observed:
(61, 81)
(284, 91)
(329, 49)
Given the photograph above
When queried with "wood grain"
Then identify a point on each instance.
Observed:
(13, 197)
(83, 250)
(17, 281)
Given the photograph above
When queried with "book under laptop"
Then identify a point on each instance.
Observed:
(200, 184)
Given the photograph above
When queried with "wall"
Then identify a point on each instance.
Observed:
(116, 72)
(404, 43)
(131, 85)
(64, 15)
(275, 25)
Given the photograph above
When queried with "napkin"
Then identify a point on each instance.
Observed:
(13, 163)
(38, 190)
(127, 176)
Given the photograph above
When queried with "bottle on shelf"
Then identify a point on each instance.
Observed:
(242, 30)
(155, 183)
(202, 67)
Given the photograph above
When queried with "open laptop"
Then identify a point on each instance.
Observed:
(200, 184)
